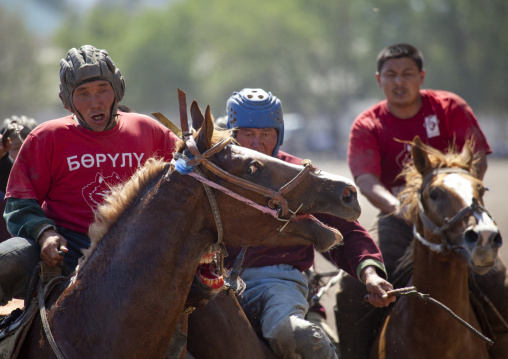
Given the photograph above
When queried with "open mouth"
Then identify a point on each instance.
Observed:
(208, 273)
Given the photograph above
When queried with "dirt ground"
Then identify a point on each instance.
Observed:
(495, 201)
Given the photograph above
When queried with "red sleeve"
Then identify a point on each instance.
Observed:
(363, 149)
(462, 122)
(358, 244)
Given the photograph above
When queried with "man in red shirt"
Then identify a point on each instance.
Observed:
(65, 167)
(276, 288)
(376, 157)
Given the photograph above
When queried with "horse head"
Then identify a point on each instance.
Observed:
(289, 193)
(447, 199)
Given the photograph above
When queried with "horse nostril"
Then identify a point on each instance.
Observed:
(348, 194)
(471, 236)
(498, 240)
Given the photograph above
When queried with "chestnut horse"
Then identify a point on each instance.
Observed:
(128, 294)
(454, 234)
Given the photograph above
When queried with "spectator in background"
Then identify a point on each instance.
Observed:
(16, 128)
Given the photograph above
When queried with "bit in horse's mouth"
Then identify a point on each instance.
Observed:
(207, 272)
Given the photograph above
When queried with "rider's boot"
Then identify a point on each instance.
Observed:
(357, 321)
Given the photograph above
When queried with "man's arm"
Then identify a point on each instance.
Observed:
(377, 194)
(25, 218)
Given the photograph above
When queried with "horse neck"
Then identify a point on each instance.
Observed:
(136, 281)
(443, 276)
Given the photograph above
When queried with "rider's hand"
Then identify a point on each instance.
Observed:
(377, 288)
(51, 243)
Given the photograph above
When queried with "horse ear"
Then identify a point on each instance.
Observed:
(205, 131)
(420, 156)
(196, 115)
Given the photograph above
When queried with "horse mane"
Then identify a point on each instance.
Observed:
(409, 195)
(123, 195)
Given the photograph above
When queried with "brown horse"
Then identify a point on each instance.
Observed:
(127, 296)
(453, 235)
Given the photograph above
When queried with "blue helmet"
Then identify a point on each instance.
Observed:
(256, 108)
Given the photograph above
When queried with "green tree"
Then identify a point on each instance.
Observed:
(21, 69)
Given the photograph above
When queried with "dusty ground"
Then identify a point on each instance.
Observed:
(495, 201)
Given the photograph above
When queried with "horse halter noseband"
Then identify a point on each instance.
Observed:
(445, 244)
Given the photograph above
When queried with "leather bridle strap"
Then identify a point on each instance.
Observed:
(276, 198)
(42, 311)
(449, 222)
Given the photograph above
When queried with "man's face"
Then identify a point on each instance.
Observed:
(94, 100)
(15, 147)
(400, 81)
(262, 140)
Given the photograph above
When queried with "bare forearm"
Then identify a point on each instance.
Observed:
(377, 194)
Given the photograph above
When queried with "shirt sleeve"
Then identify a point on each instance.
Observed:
(24, 216)
(463, 124)
(363, 150)
(358, 250)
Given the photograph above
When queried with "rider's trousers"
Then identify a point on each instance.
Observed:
(20, 256)
(279, 294)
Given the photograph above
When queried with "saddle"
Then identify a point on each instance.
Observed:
(14, 327)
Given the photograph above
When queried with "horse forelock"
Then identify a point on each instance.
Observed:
(413, 178)
(120, 198)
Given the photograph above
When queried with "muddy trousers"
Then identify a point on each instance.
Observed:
(279, 294)
(358, 322)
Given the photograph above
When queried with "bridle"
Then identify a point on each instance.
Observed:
(440, 231)
(277, 205)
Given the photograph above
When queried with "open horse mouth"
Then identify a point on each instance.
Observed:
(207, 272)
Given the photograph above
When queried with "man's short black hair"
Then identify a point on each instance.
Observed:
(398, 51)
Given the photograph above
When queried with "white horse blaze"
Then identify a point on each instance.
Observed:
(463, 188)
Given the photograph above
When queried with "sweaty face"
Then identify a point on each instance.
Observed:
(94, 100)
(401, 80)
(262, 140)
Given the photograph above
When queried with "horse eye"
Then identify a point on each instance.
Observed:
(252, 168)
(434, 195)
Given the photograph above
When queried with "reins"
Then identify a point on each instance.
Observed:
(442, 247)
(277, 205)
(412, 292)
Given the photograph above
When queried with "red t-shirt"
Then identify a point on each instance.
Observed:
(358, 245)
(443, 119)
(68, 168)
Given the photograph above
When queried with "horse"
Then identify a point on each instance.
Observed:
(129, 291)
(454, 234)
